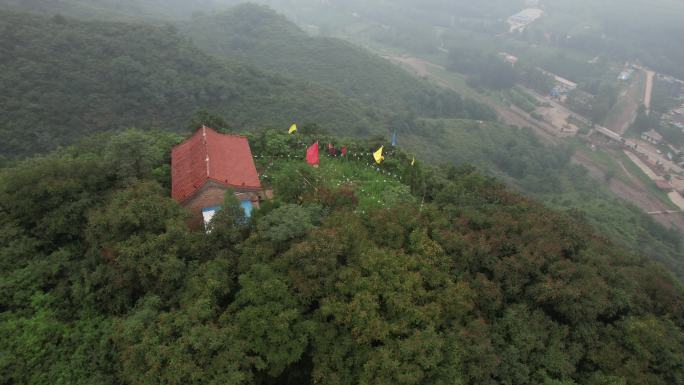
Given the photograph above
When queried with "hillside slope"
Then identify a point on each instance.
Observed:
(115, 9)
(268, 40)
(63, 78)
(547, 174)
(350, 276)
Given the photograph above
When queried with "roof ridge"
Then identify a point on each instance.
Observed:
(206, 148)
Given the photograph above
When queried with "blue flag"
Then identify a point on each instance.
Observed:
(394, 139)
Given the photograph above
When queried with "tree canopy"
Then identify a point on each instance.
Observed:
(66, 79)
(461, 281)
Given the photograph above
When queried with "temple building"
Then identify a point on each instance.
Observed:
(206, 165)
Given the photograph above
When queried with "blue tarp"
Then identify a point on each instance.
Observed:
(209, 212)
(247, 206)
(213, 208)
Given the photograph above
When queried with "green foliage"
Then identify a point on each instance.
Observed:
(51, 196)
(536, 79)
(293, 182)
(671, 135)
(269, 41)
(594, 102)
(139, 75)
(269, 320)
(485, 70)
(229, 222)
(43, 349)
(135, 247)
(205, 118)
(522, 100)
(475, 285)
(139, 209)
(665, 95)
(113, 9)
(517, 157)
(644, 122)
(132, 154)
(288, 222)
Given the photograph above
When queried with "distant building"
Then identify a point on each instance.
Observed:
(205, 166)
(678, 122)
(652, 137)
(675, 154)
(565, 83)
(626, 75)
(522, 19)
(561, 87)
(508, 58)
(664, 185)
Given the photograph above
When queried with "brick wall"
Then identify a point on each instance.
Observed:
(211, 194)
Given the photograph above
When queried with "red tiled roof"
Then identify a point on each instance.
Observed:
(208, 155)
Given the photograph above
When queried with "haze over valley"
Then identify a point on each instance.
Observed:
(342, 192)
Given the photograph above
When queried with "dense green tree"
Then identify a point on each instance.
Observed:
(205, 118)
(485, 70)
(644, 122)
(140, 75)
(136, 247)
(269, 321)
(268, 40)
(465, 283)
(288, 222)
(133, 154)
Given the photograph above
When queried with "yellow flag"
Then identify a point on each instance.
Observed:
(378, 155)
(413, 161)
(293, 129)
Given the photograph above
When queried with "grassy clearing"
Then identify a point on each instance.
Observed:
(371, 184)
(606, 162)
(456, 81)
(521, 99)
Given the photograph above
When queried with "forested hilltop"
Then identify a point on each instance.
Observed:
(443, 277)
(269, 41)
(66, 78)
(394, 274)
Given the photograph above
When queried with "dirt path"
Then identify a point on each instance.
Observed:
(646, 170)
(677, 199)
(649, 90)
(624, 112)
(421, 67)
(631, 177)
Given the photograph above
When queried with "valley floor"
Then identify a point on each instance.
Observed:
(627, 187)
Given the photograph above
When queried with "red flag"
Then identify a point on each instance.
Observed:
(312, 155)
(344, 151)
